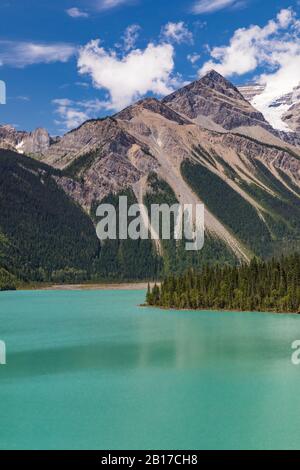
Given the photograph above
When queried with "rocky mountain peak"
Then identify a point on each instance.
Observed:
(214, 99)
(217, 82)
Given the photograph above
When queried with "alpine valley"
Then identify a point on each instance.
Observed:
(204, 143)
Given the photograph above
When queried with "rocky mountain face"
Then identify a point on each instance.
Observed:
(214, 103)
(216, 99)
(204, 143)
(99, 158)
(31, 143)
(107, 156)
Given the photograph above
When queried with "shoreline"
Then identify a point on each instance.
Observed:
(130, 286)
(221, 310)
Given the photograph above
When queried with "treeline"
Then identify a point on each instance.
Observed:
(260, 286)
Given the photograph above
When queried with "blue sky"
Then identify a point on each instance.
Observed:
(56, 77)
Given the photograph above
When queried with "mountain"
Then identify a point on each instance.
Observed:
(204, 143)
(214, 99)
(215, 103)
(47, 236)
(42, 231)
(106, 156)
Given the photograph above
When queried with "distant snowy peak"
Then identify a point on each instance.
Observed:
(282, 112)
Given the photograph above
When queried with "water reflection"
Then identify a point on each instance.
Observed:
(181, 341)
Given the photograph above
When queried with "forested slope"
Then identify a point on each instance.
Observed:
(43, 234)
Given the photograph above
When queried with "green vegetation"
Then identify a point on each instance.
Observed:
(282, 210)
(81, 164)
(7, 280)
(261, 286)
(241, 218)
(125, 260)
(42, 231)
(46, 237)
(176, 260)
(275, 229)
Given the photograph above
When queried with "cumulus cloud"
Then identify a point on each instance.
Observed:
(210, 6)
(131, 76)
(177, 33)
(251, 47)
(76, 13)
(21, 54)
(73, 113)
(275, 47)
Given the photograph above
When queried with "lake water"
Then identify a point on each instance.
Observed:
(92, 370)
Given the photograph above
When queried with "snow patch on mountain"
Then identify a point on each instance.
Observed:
(273, 106)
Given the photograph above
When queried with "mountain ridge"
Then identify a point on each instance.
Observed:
(248, 179)
(212, 101)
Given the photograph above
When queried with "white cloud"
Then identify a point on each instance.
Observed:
(109, 4)
(275, 47)
(131, 36)
(285, 17)
(131, 76)
(210, 6)
(177, 32)
(21, 54)
(73, 113)
(254, 46)
(193, 58)
(76, 13)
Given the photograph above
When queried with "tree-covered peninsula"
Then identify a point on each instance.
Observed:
(260, 286)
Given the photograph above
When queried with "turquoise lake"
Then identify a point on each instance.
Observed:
(92, 370)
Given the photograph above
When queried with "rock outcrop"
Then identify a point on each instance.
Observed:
(34, 143)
